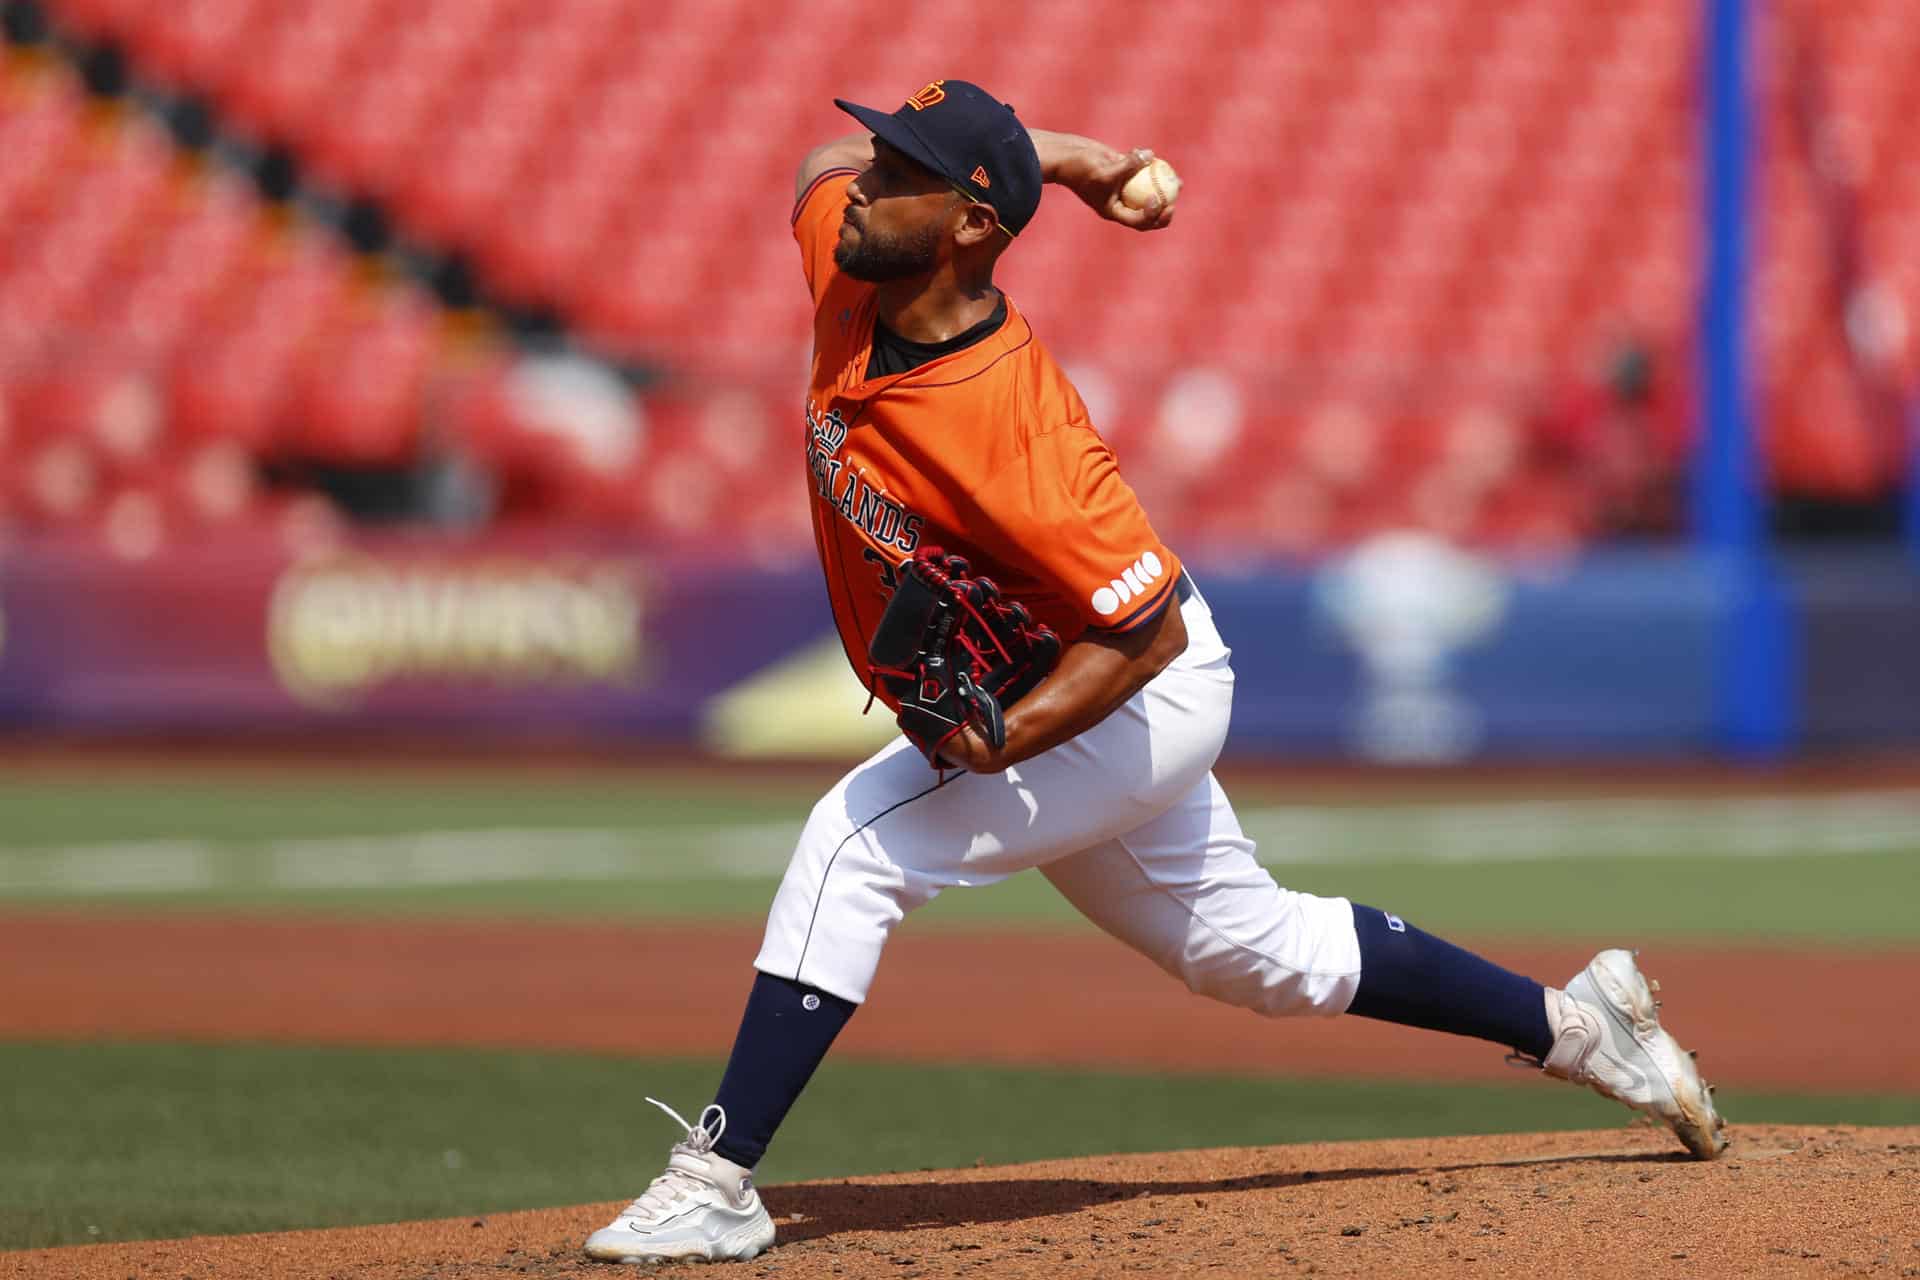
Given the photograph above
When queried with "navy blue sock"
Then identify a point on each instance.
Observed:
(785, 1032)
(1418, 980)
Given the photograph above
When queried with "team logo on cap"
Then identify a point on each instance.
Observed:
(979, 176)
(935, 92)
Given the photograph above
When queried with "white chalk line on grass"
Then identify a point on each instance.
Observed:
(398, 861)
(1886, 822)
(1547, 830)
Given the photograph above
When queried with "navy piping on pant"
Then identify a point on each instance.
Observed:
(818, 897)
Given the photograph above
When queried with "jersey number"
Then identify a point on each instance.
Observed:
(889, 576)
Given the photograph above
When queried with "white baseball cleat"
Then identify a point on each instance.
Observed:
(703, 1207)
(1607, 1035)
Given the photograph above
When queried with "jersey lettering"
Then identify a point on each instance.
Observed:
(871, 508)
(888, 525)
(856, 500)
(868, 510)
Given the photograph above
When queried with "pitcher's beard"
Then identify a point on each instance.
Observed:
(876, 259)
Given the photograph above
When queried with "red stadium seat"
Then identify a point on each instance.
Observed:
(192, 41)
(60, 482)
(100, 17)
(151, 321)
(1470, 198)
(362, 390)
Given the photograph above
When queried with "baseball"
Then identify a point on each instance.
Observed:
(1157, 181)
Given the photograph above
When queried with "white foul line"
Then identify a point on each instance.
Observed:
(1884, 822)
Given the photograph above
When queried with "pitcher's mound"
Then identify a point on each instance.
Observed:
(1616, 1203)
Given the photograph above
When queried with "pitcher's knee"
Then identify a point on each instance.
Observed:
(1299, 957)
(1249, 980)
(832, 918)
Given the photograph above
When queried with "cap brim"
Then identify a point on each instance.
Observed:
(896, 133)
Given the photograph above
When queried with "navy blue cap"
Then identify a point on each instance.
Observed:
(970, 138)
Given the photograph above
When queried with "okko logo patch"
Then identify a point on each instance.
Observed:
(1134, 581)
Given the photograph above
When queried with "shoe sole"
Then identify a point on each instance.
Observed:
(739, 1245)
(1628, 1002)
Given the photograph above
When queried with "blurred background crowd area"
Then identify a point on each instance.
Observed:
(277, 268)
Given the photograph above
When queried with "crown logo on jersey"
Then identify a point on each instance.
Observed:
(935, 92)
(829, 429)
(979, 176)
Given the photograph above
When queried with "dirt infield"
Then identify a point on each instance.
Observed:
(1785, 1201)
(1078, 999)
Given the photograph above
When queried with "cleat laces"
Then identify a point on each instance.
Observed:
(686, 1172)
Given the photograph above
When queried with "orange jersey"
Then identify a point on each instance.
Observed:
(987, 452)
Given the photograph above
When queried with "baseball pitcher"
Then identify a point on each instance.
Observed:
(1057, 676)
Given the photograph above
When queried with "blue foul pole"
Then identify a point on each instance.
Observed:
(1753, 700)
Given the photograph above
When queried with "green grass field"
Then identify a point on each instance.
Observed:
(128, 1141)
(706, 844)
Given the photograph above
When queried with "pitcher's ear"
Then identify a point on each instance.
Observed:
(979, 224)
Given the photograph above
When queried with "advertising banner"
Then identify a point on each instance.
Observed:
(489, 638)
(1411, 651)
(1860, 649)
(1406, 650)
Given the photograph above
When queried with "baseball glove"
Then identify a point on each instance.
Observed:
(955, 652)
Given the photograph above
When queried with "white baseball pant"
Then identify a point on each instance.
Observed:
(1127, 821)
